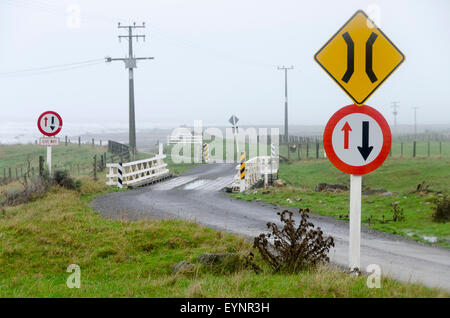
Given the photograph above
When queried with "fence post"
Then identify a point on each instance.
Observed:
(317, 150)
(414, 149)
(93, 142)
(41, 166)
(401, 149)
(298, 150)
(307, 148)
(428, 148)
(10, 175)
(440, 148)
(101, 162)
(79, 141)
(289, 151)
(66, 140)
(78, 168)
(95, 167)
(17, 174)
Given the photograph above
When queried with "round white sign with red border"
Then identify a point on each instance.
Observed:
(49, 123)
(357, 139)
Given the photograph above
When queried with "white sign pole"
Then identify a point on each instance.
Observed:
(49, 159)
(237, 140)
(355, 222)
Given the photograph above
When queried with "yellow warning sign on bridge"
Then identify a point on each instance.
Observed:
(359, 57)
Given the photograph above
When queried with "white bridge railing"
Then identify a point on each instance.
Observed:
(136, 172)
(256, 169)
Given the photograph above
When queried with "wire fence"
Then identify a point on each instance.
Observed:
(79, 158)
(403, 147)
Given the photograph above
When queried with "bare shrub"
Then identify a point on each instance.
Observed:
(63, 179)
(35, 188)
(398, 214)
(442, 213)
(293, 249)
(32, 190)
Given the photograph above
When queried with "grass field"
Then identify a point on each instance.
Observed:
(70, 157)
(400, 176)
(39, 240)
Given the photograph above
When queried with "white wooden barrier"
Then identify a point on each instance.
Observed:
(138, 171)
(255, 170)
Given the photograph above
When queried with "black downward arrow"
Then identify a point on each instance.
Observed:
(53, 123)
(365, 150)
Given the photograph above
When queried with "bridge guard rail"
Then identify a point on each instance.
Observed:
(255, 169)
(137, 172)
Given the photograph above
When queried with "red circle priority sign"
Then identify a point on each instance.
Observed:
(357, 139)
(49, 123)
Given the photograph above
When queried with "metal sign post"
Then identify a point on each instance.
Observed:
(233, 121)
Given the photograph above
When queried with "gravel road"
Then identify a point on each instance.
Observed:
(196, 196)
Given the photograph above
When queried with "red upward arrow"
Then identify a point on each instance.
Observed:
(346, 129)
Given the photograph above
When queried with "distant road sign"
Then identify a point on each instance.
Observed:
(233, 120)
(49, 123)
(359, 57)
(357, 139)
(49, 141)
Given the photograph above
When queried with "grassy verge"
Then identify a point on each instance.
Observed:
(400, 176)
(134, 259)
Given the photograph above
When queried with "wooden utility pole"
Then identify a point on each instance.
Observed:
(286, 128)
(130, 64)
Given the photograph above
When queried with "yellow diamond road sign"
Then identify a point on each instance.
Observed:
(359, 57)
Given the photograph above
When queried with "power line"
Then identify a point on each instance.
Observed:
(53, 67)
(57, 9)
(52, 72)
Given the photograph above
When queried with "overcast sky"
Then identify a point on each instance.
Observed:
(213, 58)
